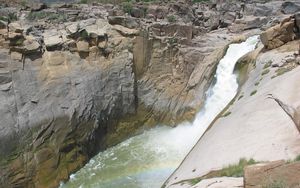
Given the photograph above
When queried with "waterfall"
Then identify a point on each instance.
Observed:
(146, 160)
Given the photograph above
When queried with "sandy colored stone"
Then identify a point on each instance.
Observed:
(273, 173)
(82, 46)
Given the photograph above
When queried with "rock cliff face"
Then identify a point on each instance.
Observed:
(76, 79)
(263, 120)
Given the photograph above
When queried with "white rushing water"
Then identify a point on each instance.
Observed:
(146, 160)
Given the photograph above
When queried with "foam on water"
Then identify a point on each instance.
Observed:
(146, 160)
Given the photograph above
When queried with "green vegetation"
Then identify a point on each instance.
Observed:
(172, 41)
(236, 170)
(268, 64)
(83, 2)
(253, 92)
(171, 18)
(276, 184)
(84, 35)
(283, 70)
(49, 15)
(240, 97)
(19, 41)
(297, 158)
(24, 3)
(266, 71)
(227, 114)
(256, 83)
(127, 7)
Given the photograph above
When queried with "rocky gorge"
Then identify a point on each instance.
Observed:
(79, 78)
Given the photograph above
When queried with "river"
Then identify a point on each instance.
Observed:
(147, 160)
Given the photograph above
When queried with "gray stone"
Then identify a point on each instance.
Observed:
(289, 7)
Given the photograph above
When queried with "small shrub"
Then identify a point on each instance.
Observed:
(227, 114)
(84, 35)
(297, 158)
(266, 71)
(12, 16)
(283, 70)
(172, 41)
(256, 83)
(253, 92)
(171, 18)
(268, 64)
(236, 170)
(83, 2)
(19, 41)
(127, 7)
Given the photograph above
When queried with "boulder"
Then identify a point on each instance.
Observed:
(125, 31)
(138, 12)
(15, 27)
(94, 31)
(37, 6)
(53, 40)
(76, 27)
(124, 21)
(31, 45)
(278, 35)
(82, 46)
(272, 174)
(289, 7)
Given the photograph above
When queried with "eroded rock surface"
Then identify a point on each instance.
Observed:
(277, 173)
(76, 79)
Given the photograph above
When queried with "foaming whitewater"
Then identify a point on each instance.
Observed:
(146, 160)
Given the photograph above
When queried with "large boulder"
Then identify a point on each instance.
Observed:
(82, 46)
(31, 45)
(278, 35)
(273, 174)
(53, 40)
(124, 21)
(289, 7)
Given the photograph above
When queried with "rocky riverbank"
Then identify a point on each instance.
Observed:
(77, 78)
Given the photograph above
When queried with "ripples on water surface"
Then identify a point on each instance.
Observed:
(147, 160)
